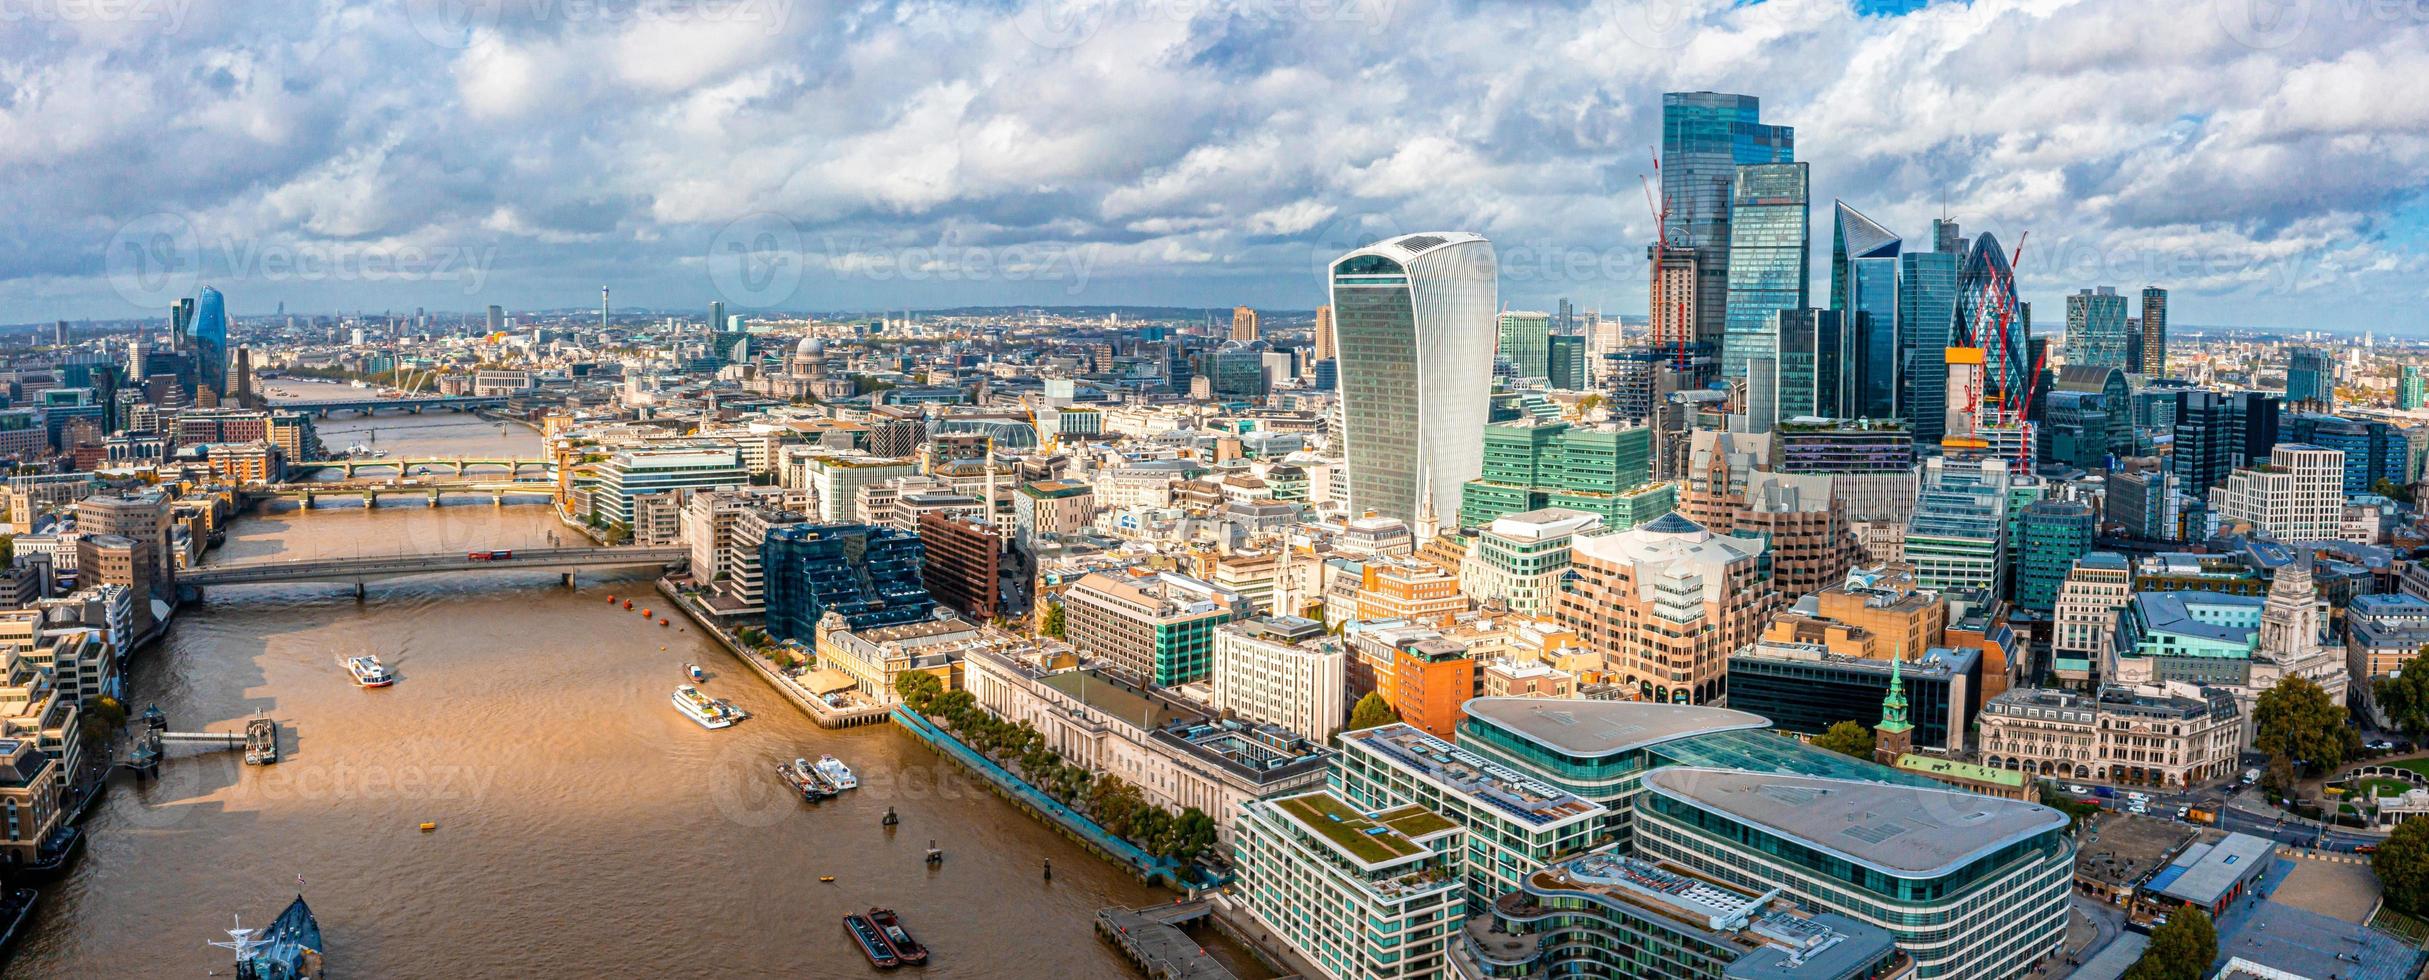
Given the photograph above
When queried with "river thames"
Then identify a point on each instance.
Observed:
(585, 829)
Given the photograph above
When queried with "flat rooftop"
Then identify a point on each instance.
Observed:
(1772, 939)
(1907, 831)
(1372, 839)
(1599, 728)
(1467, 774)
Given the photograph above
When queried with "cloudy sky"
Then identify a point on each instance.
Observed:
(2264, 158)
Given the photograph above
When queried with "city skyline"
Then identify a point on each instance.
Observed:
(1032, 171)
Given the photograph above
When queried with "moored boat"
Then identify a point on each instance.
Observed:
(872, 942)
(709, 712)
(694, 672)
(368, 671)
(804, 780)
(836, 773)
(889, 928)
(290, 949)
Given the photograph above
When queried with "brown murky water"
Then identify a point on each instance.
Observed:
(585, 828)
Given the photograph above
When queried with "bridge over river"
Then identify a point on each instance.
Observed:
(359, 569)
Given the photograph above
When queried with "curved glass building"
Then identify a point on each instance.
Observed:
(1413, 328)
(1986, 292)
(210, 334)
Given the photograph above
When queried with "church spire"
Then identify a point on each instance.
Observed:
(1893, 707)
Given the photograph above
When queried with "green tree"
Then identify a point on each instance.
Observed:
(2297, 720)
(2392, 490)
(1371, 711)
(2277, 778)
(918, 690)
(2076, 810)
(1050, 622)
(1846, 738)
(2404, 696)
(2402, 863)
(2180, 950)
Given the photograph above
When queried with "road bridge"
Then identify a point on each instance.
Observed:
(373, 406)
(370, 491)
(357, 569)
(462, 466)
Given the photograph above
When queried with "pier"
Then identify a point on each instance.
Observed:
(827, 716)
(1152, 939)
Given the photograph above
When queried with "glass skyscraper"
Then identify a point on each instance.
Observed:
(1990, 317)
(1816, 356)
(1769, 247)
(1864, 286)
(2310, 382)
(2095, 330)
(209, 327)
(2154, 333)
(1525, 342)
(1413, 329)
(1706, 136)
(1927, 314)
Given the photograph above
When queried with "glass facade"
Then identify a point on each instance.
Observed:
(2056, 532)
(1768, 252)
(2310, 380)
(1872, 310)
(1817, 354)
(1413, 327)
(2095, 330)
(870, 575)
(210, 337)
(1990, 317)
(1706, 136)
(1927, 312)
(1525, 343)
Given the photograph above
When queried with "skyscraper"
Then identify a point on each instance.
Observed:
(2310, 380)
(1706, 136)
(1769, 247)
(2095, 329)
(1324, 333)
(1525, 342)
(2218, 433)
(2409, 391)
(497, 318)
(1817, 354)
(209, 327)
(716, 316)
(1413, 321)
(2154, 333)
(1990, 317)
(1243, 324)
(1674, 303)
(1927, 313)
(1864, 286)
(1565, 362)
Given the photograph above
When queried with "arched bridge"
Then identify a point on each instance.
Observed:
(372, 406)
(426, 465)
(357, 569)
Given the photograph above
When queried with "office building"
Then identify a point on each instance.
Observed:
(961, 564)
(2099, 584)
(835, 479)
(1363, 893)
(2173, 736)
(869, 576)
(1706, 136)
(1665, 603)
(1524, 343)
(1970, 885)
(636, 472)
(2310, 380)
(2154, 363)
(1957, 539)
(1814, 370)
(1567, 362)
(1990, 317)
(1052, 507)
(1804, 687)
(1520, 560)
(1769, 252)
(1413, 320)
(2216, 434)
(2298, 496)
(2056, 533)
(1324, 335)
(1608, 914)
(1243, 324)
(208, 336)
(2374, 451)
(1157, 628)
(1531, 464)
(1927, 312)
(2096, 330)
(1514, 823)
(1283, 671)
(1864, 263)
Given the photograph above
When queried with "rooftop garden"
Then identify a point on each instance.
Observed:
(1336, 821)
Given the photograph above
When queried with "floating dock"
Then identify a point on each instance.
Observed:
(1151, 938)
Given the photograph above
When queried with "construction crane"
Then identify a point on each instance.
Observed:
(1659, 205)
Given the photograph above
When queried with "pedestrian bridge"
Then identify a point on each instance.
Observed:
(356, 569)
(373, 406)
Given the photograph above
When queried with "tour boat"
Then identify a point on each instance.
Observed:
(709, 712)
(369, 672)
(872, 943)
(804, 780)
(836, 773)
(889, 928)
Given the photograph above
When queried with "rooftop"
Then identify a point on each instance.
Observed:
(1372, 839)
(1905, 831)
(1600, 728)
(1935, 766)
(1771, 939)
(1467, 774)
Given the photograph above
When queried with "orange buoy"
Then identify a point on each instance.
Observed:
(645, 614)
(628, 603)
(662, 622)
